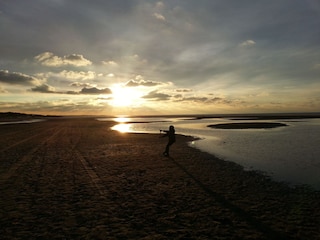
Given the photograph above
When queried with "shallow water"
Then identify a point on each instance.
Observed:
(289, 154)
(23, 121)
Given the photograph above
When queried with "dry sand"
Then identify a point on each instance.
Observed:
(77, 179)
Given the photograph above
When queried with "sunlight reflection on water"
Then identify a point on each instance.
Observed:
(287, 154)
(122, 120)
(122, 127)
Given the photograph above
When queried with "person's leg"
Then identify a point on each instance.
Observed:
(166, 153)
(167, 148)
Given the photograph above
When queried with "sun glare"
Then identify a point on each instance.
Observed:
(122, 119)
(125, 96)
(122, 127)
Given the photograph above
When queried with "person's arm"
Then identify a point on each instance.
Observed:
(166, 133)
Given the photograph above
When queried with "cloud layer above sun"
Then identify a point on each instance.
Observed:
(159, 57)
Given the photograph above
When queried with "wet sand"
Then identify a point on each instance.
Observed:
(77, 179)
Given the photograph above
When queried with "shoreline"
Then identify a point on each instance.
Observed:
(235, 116)
(277, 170)
(76, 178)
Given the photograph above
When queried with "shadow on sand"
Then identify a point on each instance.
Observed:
(257, 224)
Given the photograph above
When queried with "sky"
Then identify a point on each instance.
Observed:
(139, 57)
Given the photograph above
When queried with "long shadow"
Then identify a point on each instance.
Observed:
(257, 224)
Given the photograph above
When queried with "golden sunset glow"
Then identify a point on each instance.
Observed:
(122, 119)
(136, 62)
(125, 96)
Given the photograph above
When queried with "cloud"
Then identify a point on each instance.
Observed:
(203, 47)
(90, 91)
(192, 99)
(77, 75)
(205, 100)
(44, 88)
(157, 96)
(17, 78)
(95, 90)
(3, 90)
(159, 17)
(86, 90)
(79, 84)
(50, 60)
(139, 81)
(110, 63)
(135, 83)
(196, 99)
(159, 5)
(76, 60)
(247, 43)
(59, 106)
(183, 90)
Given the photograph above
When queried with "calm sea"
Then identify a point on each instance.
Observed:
(290, 154)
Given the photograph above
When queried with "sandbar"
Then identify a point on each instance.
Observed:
(247, 125)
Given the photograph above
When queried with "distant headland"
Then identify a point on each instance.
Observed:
(14, 116)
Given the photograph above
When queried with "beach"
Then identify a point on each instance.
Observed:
(75, 178)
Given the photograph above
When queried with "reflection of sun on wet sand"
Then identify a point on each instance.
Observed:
(247, 125)
(78, 179)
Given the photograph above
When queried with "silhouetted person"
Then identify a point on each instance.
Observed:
(172, 138)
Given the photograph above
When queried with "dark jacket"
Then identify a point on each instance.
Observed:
(171, 134)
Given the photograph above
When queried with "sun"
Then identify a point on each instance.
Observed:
(125, 96)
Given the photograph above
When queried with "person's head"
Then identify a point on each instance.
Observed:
(171, 128)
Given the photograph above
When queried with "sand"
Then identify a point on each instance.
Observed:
(77, 179)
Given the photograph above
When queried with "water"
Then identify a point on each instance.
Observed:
(23, 121)
(289, 154)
